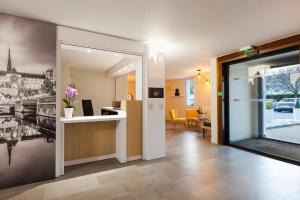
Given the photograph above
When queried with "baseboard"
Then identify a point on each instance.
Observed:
(90, 159)
(137, 157)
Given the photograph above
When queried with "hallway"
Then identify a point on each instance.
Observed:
(193, 169)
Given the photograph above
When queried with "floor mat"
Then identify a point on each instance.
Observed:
(282, 149)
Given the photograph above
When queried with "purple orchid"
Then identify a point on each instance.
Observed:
(71, 92)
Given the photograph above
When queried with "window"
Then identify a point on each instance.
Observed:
(190, 94)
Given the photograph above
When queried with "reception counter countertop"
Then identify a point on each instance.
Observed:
(93, 118)
(78, 119)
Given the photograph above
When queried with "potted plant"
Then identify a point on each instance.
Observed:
(71, 92)
(269, 112)
(296, 110)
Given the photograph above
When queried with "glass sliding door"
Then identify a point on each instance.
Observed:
(261, 100)
(244, 103)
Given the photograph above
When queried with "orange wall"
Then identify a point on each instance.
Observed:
(202, 95)
(131, 84)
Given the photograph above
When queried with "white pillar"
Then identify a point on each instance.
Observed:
(154, 133)
(214, 97)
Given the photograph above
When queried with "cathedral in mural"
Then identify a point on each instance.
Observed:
(27, 101)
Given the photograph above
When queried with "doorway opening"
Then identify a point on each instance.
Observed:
(261, 104)
(107, 83)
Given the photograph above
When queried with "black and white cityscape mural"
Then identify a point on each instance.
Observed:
(27, 100)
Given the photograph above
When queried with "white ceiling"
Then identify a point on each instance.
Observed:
(88, 59)
(82, 58)
(190, 31)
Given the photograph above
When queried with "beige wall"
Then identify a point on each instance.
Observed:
(121, 88)
(125, 84)
(92, 85)
(202, 95)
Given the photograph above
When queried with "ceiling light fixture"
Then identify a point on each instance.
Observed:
(89, 50)
(199, 74)
(159, 47)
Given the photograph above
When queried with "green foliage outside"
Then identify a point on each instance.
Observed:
(269, 105)
(278, 97)
(297, 103)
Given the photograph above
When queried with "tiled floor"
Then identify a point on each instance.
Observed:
(193, 169)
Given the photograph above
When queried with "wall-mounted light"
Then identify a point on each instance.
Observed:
(207, 82)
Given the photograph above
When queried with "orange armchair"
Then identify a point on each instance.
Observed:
(176, 120)
(192, 116)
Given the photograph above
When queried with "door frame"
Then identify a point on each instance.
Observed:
(262, 50)
(225, 70)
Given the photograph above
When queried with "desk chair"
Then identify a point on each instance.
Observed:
(87, 107)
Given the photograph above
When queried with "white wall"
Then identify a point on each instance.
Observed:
(93, 85)
(139, 80)
(121, 88)
(213, 94)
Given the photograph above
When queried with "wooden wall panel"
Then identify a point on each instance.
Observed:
(134, 128)
(83, 140)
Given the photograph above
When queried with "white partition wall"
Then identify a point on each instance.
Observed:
(154, 140)
(139, 80)
(213, 94)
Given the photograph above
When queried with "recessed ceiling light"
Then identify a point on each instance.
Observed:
(117, 55)
(89, 50)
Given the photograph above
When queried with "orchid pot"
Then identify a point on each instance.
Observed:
(68, 112)
(71, 92)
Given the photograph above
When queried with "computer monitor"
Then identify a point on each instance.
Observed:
(87, 107)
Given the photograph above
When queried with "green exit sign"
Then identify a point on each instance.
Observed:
(220, 94)
(247, 49)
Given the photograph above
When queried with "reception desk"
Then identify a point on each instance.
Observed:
(91, 138)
